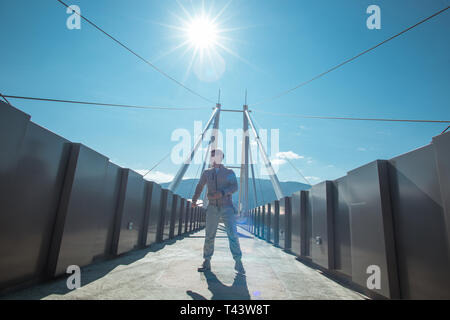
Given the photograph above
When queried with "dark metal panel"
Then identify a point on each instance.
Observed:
(371, 227)
(182, 216)
(258, 221)
(198, 217)
(191, 220)
(13, 125)
(78, 213)
(296, 235)
(194, 214)
(308, 226)
(194, 219)
(133, 209)
(262, 221)
(104, 239)
(197, 209)
(250, 221)
(166, 212)
(153, 212)
(441, 146)
(341, 211)
(275, 218)
(194, 211)
(284, 223)
(28, 207)
(175, 215)
(187, 224)
(322, 225)
(304, 240)
(253, 221)
(267, 208)
(203, 217)
(420, 225)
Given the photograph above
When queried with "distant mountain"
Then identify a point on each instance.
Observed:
(264, 190)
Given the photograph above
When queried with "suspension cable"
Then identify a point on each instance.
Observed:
(158, 163)
(350, 59)
(445, 130)
(106, 104)
(5, 99)
(291, 115)
(298, 170)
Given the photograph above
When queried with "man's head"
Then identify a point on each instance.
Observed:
(216, 157)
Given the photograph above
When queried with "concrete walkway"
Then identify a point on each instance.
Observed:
(169, 271)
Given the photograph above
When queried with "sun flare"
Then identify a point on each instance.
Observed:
(202, 33)
(203, 36)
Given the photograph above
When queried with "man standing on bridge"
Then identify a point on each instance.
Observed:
(221, 184)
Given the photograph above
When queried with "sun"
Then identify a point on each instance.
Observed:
(202, 33)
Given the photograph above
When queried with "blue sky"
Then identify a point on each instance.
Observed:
(276, 45)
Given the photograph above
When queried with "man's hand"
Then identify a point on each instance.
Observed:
(194, 204)
(215, 195)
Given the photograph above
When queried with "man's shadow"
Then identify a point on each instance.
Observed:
(237, 291)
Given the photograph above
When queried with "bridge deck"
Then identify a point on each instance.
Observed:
(169, 271)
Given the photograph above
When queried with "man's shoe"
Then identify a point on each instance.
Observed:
(206, 266)
(239, 267)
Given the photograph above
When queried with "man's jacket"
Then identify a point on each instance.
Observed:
(223, 181)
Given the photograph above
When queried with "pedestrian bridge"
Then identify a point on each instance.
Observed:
(382, 230)
(169, 271)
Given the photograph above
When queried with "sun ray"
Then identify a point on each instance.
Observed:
(234, 54)
(184, 10)
(170, 51)
(191, 62)
(221, 12)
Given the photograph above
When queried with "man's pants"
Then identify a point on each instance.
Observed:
(213, 215)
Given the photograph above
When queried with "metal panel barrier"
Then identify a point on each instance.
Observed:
(153, 212)
(284, 223)
(322, 225)
(371, 227)
(341, 218)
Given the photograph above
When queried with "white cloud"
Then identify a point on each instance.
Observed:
(313, 179)
(288, 155)
(278, 161)
(156, 176)
(362, 149)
